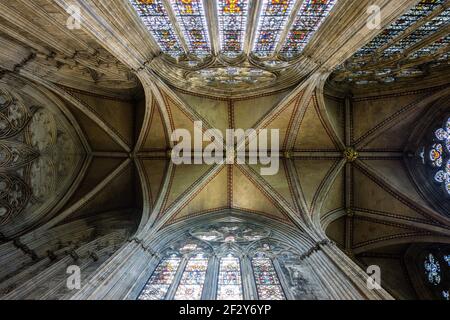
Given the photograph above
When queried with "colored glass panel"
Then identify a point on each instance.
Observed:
(190, 15)
(432, 48)
(446, 295)
(447, 259)
(272, 21)
(420, 34)
(232, 16)
(438, 156)
(309, 18)
(161, 279)
(267, 282)
(229, 283)
(423, 9)
(155, 18)
(432, 270)
(193, 278)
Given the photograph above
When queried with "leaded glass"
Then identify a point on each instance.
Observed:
(421, 33)
(191, 18)
(447, 259)
(309, 18)
(230, 283)
(436, 155)
(232, 16)
(441, 134)
(423, 9)
(272, 21)
(439, 156)
(267, 282)
(432, 48)
(446, 295)
(432, 270)
(156, 19)
(191, 284)
(161, 279)
(441, 176)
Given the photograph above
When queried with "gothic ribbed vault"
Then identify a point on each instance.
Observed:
(91, 156)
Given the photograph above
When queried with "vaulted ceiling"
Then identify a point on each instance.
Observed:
(133, 73)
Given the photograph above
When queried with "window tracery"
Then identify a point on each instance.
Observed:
(35, 149)
(412, 47)
(309, 18)
(437, 272)
(156, 19)
(235, 251)
(232, 16)
(420, 11)
(159, 283)
(230, 280)
(438, 156)
(267, 282)
(432, 270)
(191, 18)
(272, 21)
(193, 279)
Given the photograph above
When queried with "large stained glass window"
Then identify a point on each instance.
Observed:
(439, 156)
(432, 48)
(437, 271)
(272, 21)
(191, 18)
(232, 25)
(420, 34)
(311, 15)
(191, 284)
(161, 279)
(187, 267)
(267, 282)
(229, 283)
(423, 9)
(156, 19)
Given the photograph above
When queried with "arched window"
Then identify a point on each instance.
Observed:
(230, 280)
(267, 282)
(193, 279)
(437, 156)
(162, 278)
(436, 267)
(213, 262)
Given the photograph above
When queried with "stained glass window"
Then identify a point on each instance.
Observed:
(447, 259)
(156, 19)
(182, 274)
(232, 25)
(432, 48)
(432, 269)
(161, 279)
(437, 271)
(267, 282)
(230, 283)
(439, 156)
(309, 18)
(272, 21)
(190, 15)
(191, 284)
(423, 9)
(421, 33)
(446, 295)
